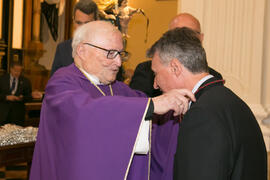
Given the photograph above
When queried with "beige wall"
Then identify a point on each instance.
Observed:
(266, 58)
(159, 13)
(237, 44)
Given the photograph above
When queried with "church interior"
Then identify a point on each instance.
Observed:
(236, 39)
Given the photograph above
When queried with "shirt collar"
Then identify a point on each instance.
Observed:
(199, 83)
(93, 78)
(11, 78)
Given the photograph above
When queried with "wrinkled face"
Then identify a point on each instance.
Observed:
(163, 75)
(81, 18)
(16, 71)
(96, 61)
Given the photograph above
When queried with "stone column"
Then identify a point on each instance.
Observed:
(36, 20)
(35, 48)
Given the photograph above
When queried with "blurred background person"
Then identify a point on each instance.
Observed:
(15, 90)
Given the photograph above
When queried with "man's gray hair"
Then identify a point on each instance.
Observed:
(87, 7)
(184, 45)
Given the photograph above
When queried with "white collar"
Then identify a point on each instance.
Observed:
(11, 78)
(93, 78)
(199, 83)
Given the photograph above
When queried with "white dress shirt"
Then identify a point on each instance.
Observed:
(16, 84)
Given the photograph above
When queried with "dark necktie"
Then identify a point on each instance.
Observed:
(13, 84)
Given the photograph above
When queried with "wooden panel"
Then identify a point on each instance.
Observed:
(16, 153)
(32, 114)
(38, 75)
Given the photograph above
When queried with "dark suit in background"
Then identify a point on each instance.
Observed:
(219, 139)
(143, 79)
(13, 111)
(63, 57)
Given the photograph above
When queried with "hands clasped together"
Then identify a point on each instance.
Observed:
(177, 100)
(14, 98)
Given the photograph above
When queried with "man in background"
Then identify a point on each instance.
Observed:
(143, 78)
(15, 90)
(92, 126)
(219, 137)
(84, 11)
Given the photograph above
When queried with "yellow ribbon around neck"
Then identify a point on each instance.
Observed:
(110, 86)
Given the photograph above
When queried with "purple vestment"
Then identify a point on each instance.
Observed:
(164, 143)
(84, 135)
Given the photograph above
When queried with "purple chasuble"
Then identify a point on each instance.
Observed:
(164, 143)
(84, 135)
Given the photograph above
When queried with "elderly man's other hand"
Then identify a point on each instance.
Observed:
(177, 100)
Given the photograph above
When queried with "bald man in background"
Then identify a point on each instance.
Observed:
(143, 78)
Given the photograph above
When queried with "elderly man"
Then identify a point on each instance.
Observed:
(93, 127)
(219, 137)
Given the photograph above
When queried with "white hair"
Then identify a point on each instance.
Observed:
(79, 35)
(90, 30)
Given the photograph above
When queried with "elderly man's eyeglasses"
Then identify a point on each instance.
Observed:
(111, 53)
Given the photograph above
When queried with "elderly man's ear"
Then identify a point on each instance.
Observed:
(176, 67)
(81, 51)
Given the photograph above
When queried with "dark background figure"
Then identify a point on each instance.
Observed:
(143, 77)
(15, 90)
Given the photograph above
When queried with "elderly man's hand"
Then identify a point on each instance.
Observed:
(177, 100)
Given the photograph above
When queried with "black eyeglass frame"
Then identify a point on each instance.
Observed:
(111, 53)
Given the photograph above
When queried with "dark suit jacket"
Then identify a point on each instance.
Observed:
(63, 57)
(13, 112)
(143, 79)
(220, 139)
